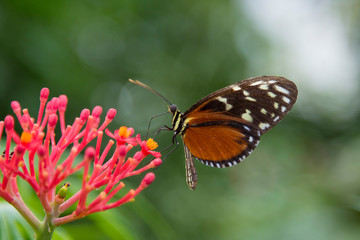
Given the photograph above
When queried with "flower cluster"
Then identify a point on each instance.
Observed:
(45, 161)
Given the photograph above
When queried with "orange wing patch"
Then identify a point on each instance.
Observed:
(214, 143)
(218, 139)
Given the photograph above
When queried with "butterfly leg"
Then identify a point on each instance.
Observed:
(166, 128)
(175, 142)
(159, 115)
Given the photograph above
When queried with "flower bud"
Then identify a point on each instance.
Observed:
(15, 105)
(44, 94)
(63, 190)
(96, 112)
(62, 103)
(9, 123)
(111, 113)
(148, 179)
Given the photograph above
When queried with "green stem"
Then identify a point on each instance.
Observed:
(19, 204)
(43, 230)
(47, 229)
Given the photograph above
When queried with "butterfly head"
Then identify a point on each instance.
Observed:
(173, 109)
(177, 120)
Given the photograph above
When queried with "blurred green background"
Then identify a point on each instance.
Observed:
(303, 180)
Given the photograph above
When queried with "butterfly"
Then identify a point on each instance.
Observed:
(223, 128)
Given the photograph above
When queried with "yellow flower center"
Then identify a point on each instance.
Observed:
(26, 137)
(124, 132)
(151, 144)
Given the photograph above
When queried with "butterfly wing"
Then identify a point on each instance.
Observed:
(224, 128)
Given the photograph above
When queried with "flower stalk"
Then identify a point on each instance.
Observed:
(46, 161)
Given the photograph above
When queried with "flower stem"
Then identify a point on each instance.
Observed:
(46, 230)
(26, 213)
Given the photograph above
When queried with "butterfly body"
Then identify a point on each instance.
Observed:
(224, 127)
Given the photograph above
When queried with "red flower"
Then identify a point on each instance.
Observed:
(147, 147)
(38, 143)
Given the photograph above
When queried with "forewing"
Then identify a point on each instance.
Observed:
(224, 127)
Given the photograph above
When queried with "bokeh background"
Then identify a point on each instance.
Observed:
(303, 180)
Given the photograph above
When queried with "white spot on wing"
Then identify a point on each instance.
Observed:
(224, 100)
(281, 89)
(263, 126)
(263, 111)
(246, 116)
(236, 88)
(272, 81)
(257, 83)
(247, 128)
(271, 94)
(276, 105)
(283, 109)
(277, 118)
(251, 139)
(285, 99)
(264, 87)
(250, 99)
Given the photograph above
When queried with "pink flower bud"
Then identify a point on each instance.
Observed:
(90, 153)
(49, 106)
(157, 162)
(53, 118)
(148, 179)
(41, 151)
(26, 119)
(55, 103)
(44, 94)
(9, 123)
(96, 112)
(111, 113)
(62, 103)
(84, 115)
(122, 150)
(20, 149)
(15, 105)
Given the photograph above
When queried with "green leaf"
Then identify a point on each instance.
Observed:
(12, 225)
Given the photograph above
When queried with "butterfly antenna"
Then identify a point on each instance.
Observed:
(149, 88)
